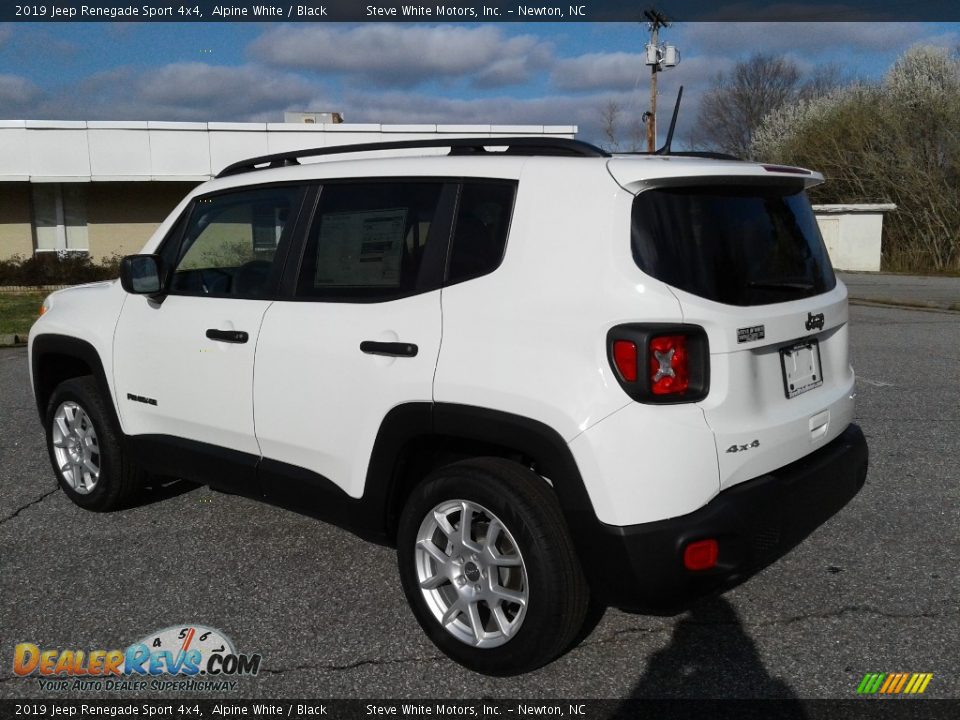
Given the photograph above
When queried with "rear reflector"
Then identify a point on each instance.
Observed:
(669, 365)
(625, 358)
(701, 555)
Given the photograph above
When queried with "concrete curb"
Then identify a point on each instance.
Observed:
(906, 304)
(12, 340)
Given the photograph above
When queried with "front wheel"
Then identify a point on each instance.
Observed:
(85, 449)
(488, 567)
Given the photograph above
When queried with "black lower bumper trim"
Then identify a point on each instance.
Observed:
(754, 523)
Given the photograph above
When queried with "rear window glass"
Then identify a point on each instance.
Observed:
(738, 245)
(483, 219)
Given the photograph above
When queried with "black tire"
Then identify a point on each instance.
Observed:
(558, 595)
(119, 478)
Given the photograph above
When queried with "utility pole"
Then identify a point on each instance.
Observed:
(657, 60)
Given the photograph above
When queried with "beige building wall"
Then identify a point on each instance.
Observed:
(121, 216)
(16, 231)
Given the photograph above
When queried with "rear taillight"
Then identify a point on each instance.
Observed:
(625, 359)
(659, 362)
(669, 365)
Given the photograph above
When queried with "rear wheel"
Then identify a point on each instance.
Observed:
(85, 450)
(488, 567)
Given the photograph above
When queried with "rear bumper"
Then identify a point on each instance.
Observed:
(754, 523)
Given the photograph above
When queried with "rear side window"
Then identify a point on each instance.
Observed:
(480, 234)
(738, 245)
(368, 240)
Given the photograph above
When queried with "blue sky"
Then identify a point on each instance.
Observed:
(507, 73)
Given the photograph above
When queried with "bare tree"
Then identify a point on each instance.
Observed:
(820, 82)
(620, 136)
(739, 100)
(610, 118)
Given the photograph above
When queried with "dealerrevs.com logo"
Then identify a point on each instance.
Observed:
(177, 658)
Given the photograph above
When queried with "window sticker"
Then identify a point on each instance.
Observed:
(361, 249)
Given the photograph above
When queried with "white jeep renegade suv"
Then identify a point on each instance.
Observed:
(549, 375)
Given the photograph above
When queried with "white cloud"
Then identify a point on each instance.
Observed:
(406, 55)
(229, 90)
(17, 95)
(180, 91)
(948, 40)
(593, 71)
(582, 109)
(627, 72)
(796, 38)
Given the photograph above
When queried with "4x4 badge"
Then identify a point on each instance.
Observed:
(814, 322)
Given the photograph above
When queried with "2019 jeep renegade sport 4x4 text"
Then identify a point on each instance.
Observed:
(545, 373)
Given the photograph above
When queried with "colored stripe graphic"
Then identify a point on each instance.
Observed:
(871, 683)
(913, 684)
(923, 679)
(900, 682)
(890, 682)
(894, 683)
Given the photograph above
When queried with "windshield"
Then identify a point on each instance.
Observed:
(734, 244)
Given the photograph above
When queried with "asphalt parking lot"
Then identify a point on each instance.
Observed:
(874, 590)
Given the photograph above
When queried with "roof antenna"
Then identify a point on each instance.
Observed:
(665, 150)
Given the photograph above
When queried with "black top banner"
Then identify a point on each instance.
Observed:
(490, 11)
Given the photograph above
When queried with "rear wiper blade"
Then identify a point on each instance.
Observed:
(779, 285)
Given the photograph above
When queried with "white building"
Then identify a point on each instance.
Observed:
(104, 187)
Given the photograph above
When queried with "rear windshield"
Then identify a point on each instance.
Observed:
(735, 244)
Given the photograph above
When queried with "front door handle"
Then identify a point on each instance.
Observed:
(230, 336)
(393, 349)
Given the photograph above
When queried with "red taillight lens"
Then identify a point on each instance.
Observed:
(701, 555)
(669, 365)
(625, 358)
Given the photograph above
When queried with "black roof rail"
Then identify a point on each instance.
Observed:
(458, 146)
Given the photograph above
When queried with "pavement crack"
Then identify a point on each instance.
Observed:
(334, 667)
(616, 635)
(20, 509)
(853, 610)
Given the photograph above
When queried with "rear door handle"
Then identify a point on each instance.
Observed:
(230, 336)
(393, 349)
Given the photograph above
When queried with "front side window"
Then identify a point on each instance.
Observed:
(734, 244)
(369, 240)
(230, 242)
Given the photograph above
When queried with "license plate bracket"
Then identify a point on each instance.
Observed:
(802, 370)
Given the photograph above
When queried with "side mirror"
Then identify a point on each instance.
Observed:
(141, 275)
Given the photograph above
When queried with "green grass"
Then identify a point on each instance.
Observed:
(18, 312)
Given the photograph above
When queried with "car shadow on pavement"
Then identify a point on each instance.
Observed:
(160, 489)
(710, 656)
